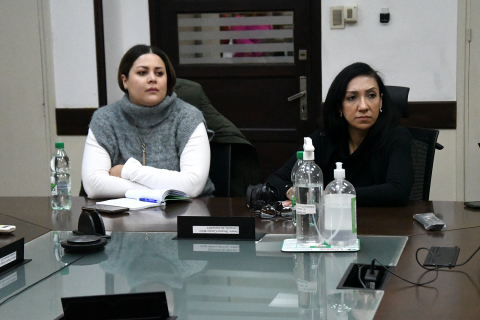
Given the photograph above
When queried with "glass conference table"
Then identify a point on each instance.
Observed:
(202, 279)
(454, 295)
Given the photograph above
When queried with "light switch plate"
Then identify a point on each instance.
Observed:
(337, 19)
(350, 13)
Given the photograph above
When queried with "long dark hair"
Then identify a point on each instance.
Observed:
(132, 55)
(337, 126)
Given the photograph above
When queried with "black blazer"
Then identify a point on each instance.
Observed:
(390, 165)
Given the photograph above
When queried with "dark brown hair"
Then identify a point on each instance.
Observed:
(337, 125)
(134, 53)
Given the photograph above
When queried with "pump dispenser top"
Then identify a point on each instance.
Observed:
(308, 149)
(339, 173)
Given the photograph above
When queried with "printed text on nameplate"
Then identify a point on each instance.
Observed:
(306, 208)
(8, 258)
(217, 229)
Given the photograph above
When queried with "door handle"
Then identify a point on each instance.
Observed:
(296, 96)
(302, 95)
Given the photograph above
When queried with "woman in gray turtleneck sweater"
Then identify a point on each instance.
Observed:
(149, 139)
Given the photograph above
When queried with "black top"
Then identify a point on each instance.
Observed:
(382, 177)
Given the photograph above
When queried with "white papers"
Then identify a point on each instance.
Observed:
(157, 194)
(132, 204)
(153, 198)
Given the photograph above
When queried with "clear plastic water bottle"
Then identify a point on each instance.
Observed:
(60, 183)
(308, 194)
(294, 171)
(340, 227)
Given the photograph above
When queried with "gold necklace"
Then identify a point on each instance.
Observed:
(144, 143)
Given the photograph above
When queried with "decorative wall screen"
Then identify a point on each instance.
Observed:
(243, 37)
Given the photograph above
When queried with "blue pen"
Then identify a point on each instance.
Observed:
(148, 200)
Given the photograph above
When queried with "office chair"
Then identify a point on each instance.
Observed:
(424, 144)
(234, 160)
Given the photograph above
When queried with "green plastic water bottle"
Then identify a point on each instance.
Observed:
(60, 183)
(294, 171)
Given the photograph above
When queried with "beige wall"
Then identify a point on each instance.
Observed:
(443, 185)
(472, 103)
(24, 140)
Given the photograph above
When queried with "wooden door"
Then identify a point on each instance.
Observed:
(249, 56)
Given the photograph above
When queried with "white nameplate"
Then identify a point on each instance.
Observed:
(305, 208)
(291, 245)
(8, 258)
(216, 247)
(306, 286)
(216, 229)
(7, 280)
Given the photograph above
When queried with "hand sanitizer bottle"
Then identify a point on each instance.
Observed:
(308, 194)
(340, 225)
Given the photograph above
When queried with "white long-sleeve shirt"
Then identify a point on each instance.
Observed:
(194, 169)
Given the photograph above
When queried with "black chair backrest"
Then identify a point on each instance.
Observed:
(423, 146)
(399, 97)
(221, 168)
(423, 154)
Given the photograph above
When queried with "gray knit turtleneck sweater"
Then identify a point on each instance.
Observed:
(165, 129)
